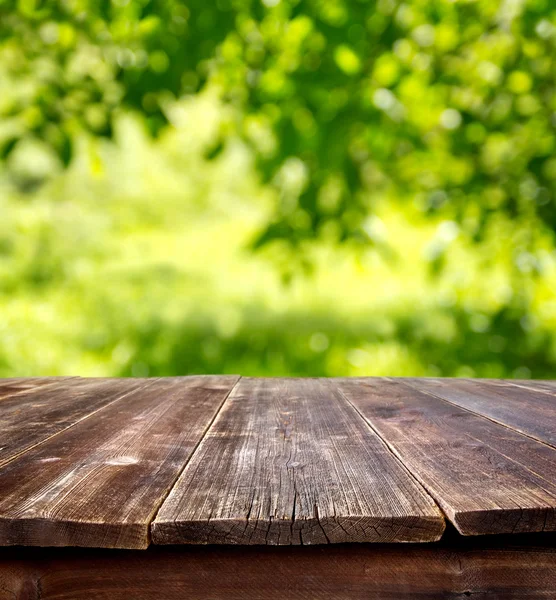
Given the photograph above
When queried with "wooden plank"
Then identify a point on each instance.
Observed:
(482, 570)
(12, 386)
(100, 482)
(486, 477)
(523, 409)
(288, 461)
(539, 385)
(31, 382)
(28, 382)
(30, 418)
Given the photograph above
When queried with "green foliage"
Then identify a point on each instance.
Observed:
(344, 100)
(133, 262)
(400, 152)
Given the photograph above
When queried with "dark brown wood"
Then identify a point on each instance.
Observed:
(545, 386)
(100, 482)
(486, 477)
(445, 571)
(22, 383)
(32, 416)
(289, 461)
(12, 386)
(523, 409)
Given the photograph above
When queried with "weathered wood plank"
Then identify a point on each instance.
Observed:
(486, 477)
(440, 571)
(100, 482)
(288, 461)
(30, 418)
(12, 386)
(546, 386)
(28, 382)
(525, 410)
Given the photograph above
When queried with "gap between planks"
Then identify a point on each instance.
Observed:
(528, 410)
(492, 517)
(289, 461)
(186, 462)
(487, 478)
(29, 419)
(100, 482)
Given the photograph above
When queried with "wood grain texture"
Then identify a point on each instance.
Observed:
(440, 571)
(12, 386)
(538, 385)
(30, 418)
(288, 461)
(28, 382)
(523, 409)
(100, 482)
(487, 478)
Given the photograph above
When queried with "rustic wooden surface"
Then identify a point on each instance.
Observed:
(489, 570)
(100, 482)
(288, 461)
(546, 386)
(529, 411)
(33, 415)
(486, 477)
(13, 386)
(108, 463)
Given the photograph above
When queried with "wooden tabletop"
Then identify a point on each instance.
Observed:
(124, 463)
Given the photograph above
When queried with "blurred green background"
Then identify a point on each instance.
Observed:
(278, 187)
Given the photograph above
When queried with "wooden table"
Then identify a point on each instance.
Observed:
(227, 487)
